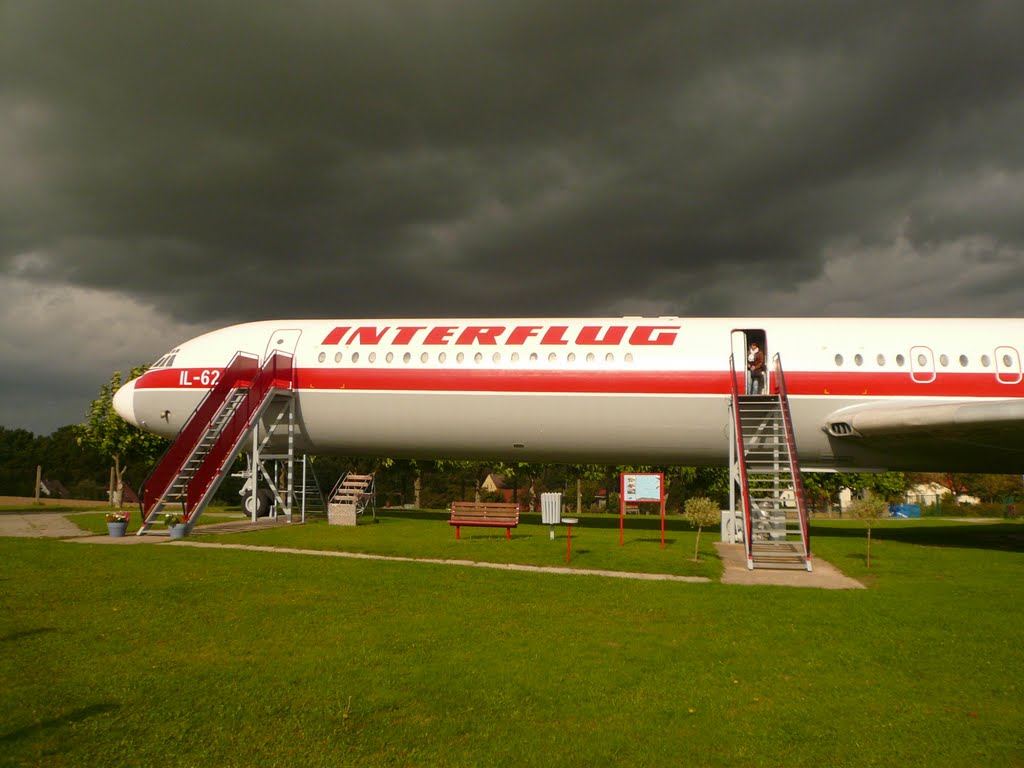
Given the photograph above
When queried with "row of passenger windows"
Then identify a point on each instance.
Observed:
(922, 360)
(478, 357)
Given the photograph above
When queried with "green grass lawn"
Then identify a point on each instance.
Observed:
(177, 656)
(426, 534)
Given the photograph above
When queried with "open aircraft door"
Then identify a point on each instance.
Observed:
(740, 346)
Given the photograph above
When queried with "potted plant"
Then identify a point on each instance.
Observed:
(117, 523)
(175, 527)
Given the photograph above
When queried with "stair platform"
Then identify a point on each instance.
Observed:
(824, 576)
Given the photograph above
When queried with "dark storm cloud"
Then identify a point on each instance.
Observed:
(220, 160)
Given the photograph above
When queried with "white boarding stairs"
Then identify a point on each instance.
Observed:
(354, 494)
(768, 475)
(200, 457)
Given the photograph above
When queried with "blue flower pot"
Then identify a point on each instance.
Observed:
(178, 531)
(117, 529)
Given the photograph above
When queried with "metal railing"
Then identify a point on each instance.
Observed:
(238, 373)
(277, 372)
(794, 468)
(741, 458)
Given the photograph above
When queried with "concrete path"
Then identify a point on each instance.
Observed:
(431, 560)
(40, 524)
(824, 575)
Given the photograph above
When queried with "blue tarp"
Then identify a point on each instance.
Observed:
(904, 510)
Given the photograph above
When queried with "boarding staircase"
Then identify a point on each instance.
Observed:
(352, 496)
(767, 474)
(193, 467)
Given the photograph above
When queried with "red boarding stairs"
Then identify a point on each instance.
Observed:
(199, 459)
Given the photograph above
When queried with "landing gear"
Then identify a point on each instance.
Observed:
(264, 498)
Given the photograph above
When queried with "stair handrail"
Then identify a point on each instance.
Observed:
(369, 489)
(235, 374)
(337, 486)
(742, 459)
(794, 467)
(277, 372)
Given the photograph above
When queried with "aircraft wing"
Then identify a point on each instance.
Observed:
(988, 434)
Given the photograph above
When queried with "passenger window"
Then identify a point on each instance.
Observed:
(985, 362)
(963, 361)
(839, 359)
(858, 359)
(880, 359)
(321, 357)
(943, 360)
(900, 360)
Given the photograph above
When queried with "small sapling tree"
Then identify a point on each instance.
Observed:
(869, 510)
(701, 511)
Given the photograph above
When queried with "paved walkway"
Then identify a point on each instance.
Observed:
(824, 576)
(466, 563)
(39, 524)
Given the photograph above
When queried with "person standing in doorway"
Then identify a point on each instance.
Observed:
(755, 364)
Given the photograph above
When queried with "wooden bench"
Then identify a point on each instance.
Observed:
(484, 514)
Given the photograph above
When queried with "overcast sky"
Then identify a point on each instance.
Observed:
(169, 167)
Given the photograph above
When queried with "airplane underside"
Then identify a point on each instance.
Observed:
(688, 430)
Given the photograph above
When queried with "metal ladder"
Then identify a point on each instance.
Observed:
(768, 475)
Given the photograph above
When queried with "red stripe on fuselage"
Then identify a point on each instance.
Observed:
(837, 383)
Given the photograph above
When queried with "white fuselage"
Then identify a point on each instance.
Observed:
(601, 390)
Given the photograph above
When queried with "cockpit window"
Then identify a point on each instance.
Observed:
(166, 361)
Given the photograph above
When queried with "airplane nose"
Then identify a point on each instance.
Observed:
(124, 403)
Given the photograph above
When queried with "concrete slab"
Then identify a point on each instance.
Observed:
(39, 524)
(824, 576)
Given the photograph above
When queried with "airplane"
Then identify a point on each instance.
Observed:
(865, 394)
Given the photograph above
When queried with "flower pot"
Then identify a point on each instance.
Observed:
(117, 529)
(178, 531)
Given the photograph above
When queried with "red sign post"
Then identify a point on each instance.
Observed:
(637, 487)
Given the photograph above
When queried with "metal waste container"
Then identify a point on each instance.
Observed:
(551, 508)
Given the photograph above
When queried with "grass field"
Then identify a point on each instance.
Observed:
(176, 656)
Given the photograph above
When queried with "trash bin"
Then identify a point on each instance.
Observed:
(551, 508)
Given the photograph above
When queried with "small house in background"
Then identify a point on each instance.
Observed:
(933, 493)
(54, 489)
(497, 484)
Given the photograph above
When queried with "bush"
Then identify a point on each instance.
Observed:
(869, 510)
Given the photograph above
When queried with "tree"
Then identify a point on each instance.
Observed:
(869, 510)
(701, 511)
(105, 431)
